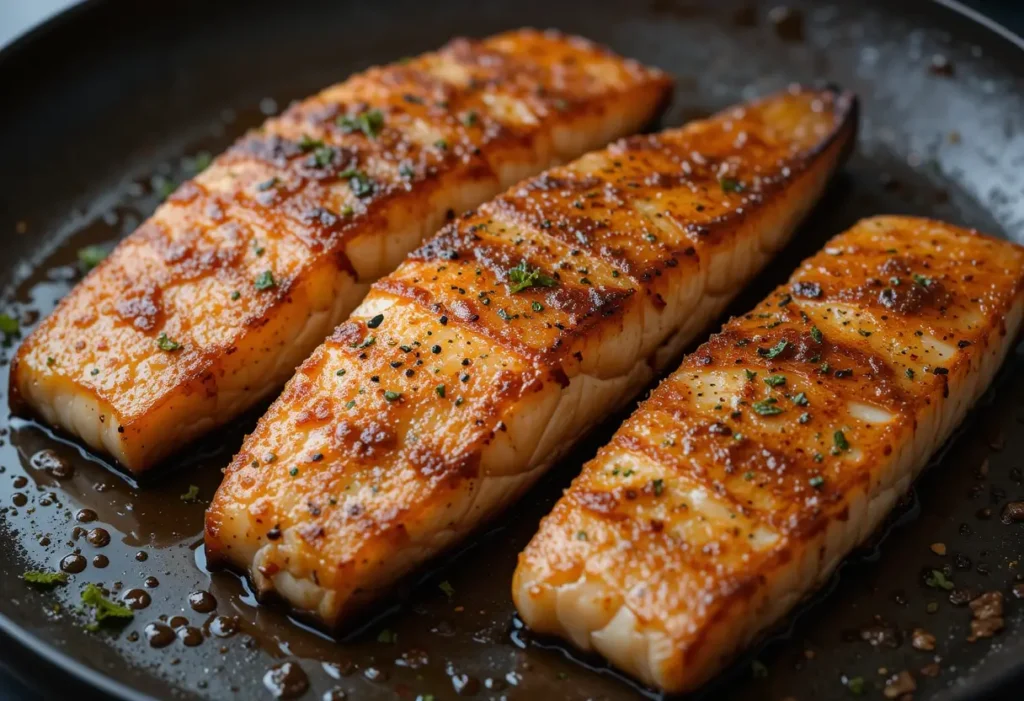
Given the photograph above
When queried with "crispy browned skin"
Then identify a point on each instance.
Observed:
(251, 264)
(779, 445)
(448, 391)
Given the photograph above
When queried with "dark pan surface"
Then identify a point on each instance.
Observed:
(107, 103)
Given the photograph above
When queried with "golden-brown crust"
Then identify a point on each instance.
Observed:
(772, 433)
(424, 393)
(295, 200)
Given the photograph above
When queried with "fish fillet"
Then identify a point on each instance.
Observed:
(779, 445)
(472, 367)
(213, 301)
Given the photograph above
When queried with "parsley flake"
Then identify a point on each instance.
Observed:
(774, 351)
(523, 277)
(104, 610)
(166, 343)
(264, 281)
(91, 256)
(44, 580)
(191, 496)
(767, 407)
(369, 122)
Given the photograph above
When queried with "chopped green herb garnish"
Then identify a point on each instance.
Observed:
(751, 376)
(730, 184)
(165, 343)
(800, 399)
(392, 396)
(581, 535)
(386, 636)
(816, 334)
(758, 669)
(46, 580)
(863, 333)
(774, 351)
(264, 281)
(440, 391)
(523, 277)
(202, 161)
(323, 156)
(855, 685)
(840, 440)
(470, 118)
(775, 380)
(441, 144)
(104, 610)
(817, 481)
(767, 407)
(375, 321)
(447, 588)
(294, 472)
(91, 256)
(369, 122)
(50, 361)
(235, 294)
(406, 170)
(909, 373)
(537, 307)
(937, 580)
(658, 486)
(350, 403)
(362, 185)
(307, 143)
(804, 418)
(9, 325)
(922, 280)
(191, 495)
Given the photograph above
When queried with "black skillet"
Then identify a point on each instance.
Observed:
(105, 104)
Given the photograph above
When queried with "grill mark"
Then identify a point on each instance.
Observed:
(435, 309)
(587, 306)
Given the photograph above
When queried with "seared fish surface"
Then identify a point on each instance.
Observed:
(213, 301)
(778, 446)
(479, 361)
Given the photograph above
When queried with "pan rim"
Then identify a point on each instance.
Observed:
(95, 681)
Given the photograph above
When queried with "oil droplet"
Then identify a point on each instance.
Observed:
(136, 599)
(224, 627)
(177, 622)
(100, 561)
(159, 635)
(465, 685)
(335, 694)
(86, 516)
(286, 681)
(20, 481)
(202, 601)
(375, 674)
(19, 499)
(151, 582)
(98, 537)
(190, 636)
(141, 556)
(73, 564)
